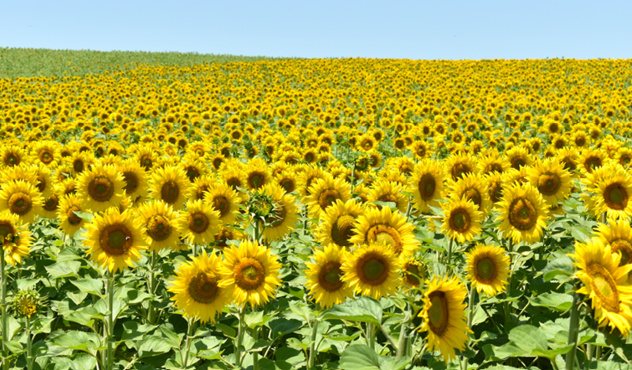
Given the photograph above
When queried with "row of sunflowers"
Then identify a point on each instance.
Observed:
(318, 214)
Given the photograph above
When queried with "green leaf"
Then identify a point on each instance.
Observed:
(83, 316)
(364, 309)
(256, 319)
(227, 330)
(281, 326)
(359, 356)
(133, 330)
(73, 339)
(84, 216)
(554, 301)
(525, 340)
(153, 345)
(83, 361)
(63, 269)
(135, 296)
(90, 286)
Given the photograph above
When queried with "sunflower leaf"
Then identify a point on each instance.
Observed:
(364, 309)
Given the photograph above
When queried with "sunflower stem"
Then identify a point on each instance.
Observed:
(29, 345)
(187, 347)
(110, 318)
(573, 331)
(240, 337)
(5, 334)
(255, 355)
(409, 208)
(448, 270)
(312, 345)
(402, 343)
(151, 312)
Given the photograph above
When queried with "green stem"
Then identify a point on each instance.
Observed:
(448, 270)
(312, 345)
(29, 345)
(573, 332)
(110, 318)
(255, 355)
(470, 319)
(409, 208)
(240, 337)
(187, 347)
(5, 334)
(151, 312)
(402, 342)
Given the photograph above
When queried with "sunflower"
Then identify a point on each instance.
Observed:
(336, 226)
(388, 227)
(225, 200)
(324, 276)
(618, 235)
(494, 187)
(414, 272)
(257, 174)
(518, 157)
(50, 206)
(226, 234)
(372, 270)
(458, 165)
(159, 223)
(199, 223)
(22, 172)
(135, 179)
(169, 184)
(252, 271)
(591, 159)
(605, 283)
(472, 187)
(523, 213)
(487, 269)
(196, 288)
(388, 191)
(46, 153)
(70, 222)
(551, 180)
(233, 177)
(612, 189)
(461, 220)
(12, 155)
(145, 157)
(43, 178)
(427, 184)
(308, 177)
(16, 238)
(284, 215)
(443, 316)
(324, 192)
(100, 187)
(114, 239)
(287, 180)
(22, 199)
(492, 164)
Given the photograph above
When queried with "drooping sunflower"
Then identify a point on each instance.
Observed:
(283, 216)
(225, 200)
(336, 226)
(427, 184)
(414, 272)
(114, 239)
(605, 283)
(199, 223)
(50, 206)
(324, 276)
(196, 288)
(388, 191)
(135, 179)
(487, 269)
(523, 213)
(444, 316)
(252, 271)
(169, 184)
(388, 227)
(461, 220)
(100, 187)
(551, 180)
(494, 185)
(159, 222)
(16, 238)
(225, 235)
(618, 235)
(70, 222)
(472, 187)
(372, 270)
(22, 199)
(324, 192)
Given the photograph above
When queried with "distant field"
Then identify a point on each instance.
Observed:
(18, 62)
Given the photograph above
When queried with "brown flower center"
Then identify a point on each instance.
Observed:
(116, 239)
(170, 192)
(249, 274)
(101, 189)
(20, 204)
(329, 276)
(158, 228)
(203, 287)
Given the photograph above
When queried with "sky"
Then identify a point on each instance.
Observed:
(510, 29)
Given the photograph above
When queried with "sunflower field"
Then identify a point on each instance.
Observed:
(317, 214)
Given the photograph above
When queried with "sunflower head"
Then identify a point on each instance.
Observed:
(488, 269)
(325, 274)
(372, 270)
(27, 303)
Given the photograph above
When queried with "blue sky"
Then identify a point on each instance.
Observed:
(508, 29)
